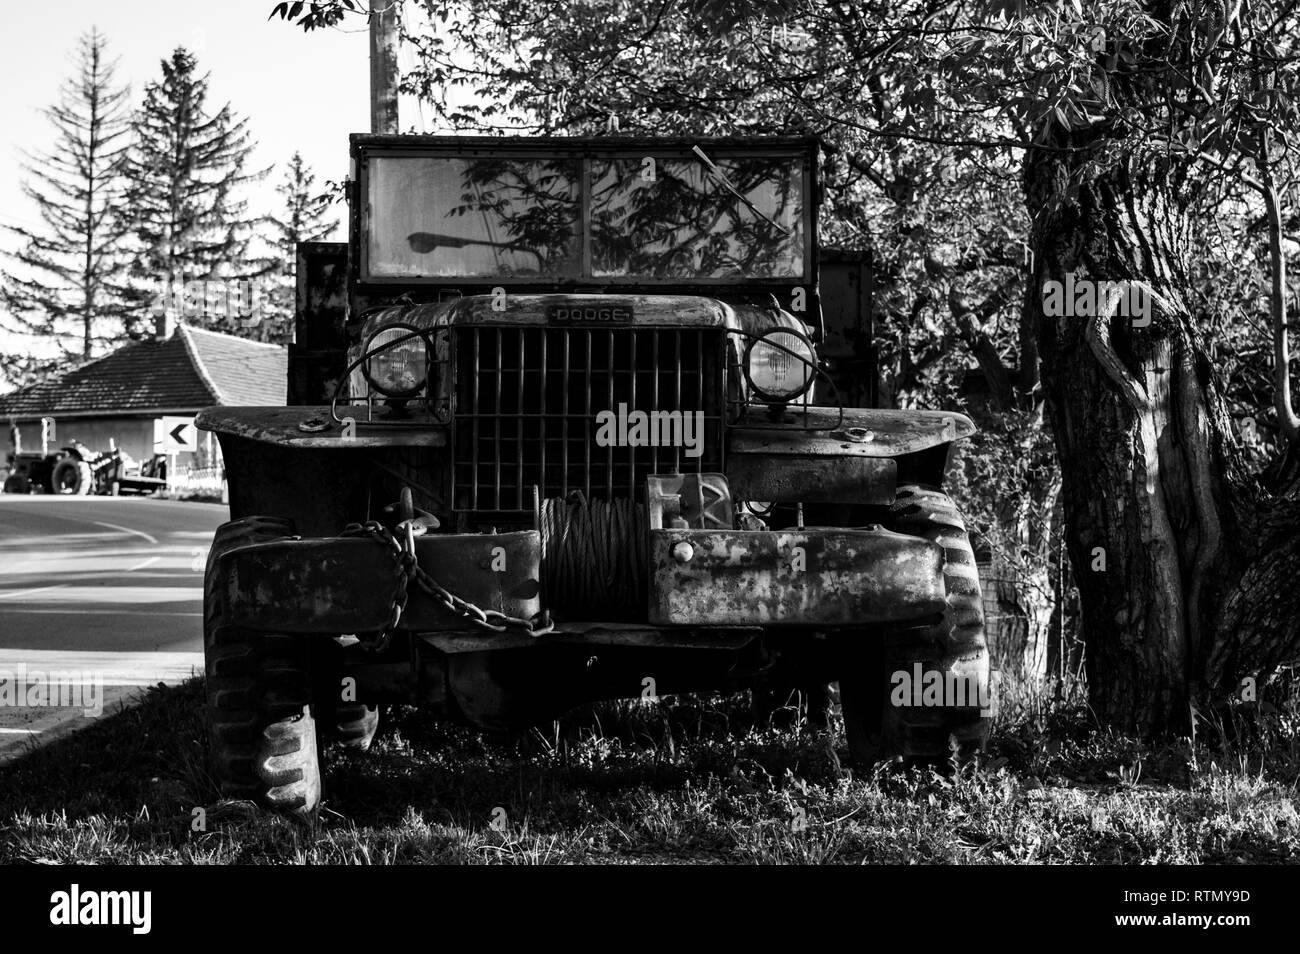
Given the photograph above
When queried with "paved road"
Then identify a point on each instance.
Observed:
(105, 591)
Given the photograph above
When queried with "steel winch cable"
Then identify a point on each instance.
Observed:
(594, 557)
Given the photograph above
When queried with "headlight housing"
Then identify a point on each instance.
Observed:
(398, 369)
(780, 365)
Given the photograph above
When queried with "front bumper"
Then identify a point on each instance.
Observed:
(814, 577)
(820, 577)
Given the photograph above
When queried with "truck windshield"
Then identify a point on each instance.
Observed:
(655, 219)
(683, 224)
(445, 217)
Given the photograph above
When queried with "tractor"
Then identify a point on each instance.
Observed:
(577, 419)
(79, 471)
(70, 470)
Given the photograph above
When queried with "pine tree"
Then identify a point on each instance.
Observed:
(185, 172)
(67, 282)
(304, 217)
(306, 212)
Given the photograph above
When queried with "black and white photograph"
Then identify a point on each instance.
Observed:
(665, 433)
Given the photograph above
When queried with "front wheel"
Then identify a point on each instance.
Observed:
(261, 725)
(922, 692)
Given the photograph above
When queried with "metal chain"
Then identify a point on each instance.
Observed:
(400, 596)
(407, 568)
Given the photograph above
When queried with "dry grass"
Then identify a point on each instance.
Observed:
(689, 780)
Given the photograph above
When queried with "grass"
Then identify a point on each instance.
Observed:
(190, 496)
(685, 780)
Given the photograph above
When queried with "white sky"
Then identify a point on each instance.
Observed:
(298, 91)
(304, 91)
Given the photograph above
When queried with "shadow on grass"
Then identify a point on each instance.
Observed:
(148, 754)
(692, 779)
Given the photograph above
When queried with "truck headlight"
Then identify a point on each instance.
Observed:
(397, 361)
(780, 365)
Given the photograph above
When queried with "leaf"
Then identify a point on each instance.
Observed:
(295, 10)
(280, 8)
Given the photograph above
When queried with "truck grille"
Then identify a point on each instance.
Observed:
(527, 399)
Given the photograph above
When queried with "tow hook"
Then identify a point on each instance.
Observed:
(411, 522)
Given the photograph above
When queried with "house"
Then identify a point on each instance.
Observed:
(124, 395)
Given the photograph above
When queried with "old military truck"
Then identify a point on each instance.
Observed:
(570, 439)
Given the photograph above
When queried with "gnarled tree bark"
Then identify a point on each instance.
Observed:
(1196, 590)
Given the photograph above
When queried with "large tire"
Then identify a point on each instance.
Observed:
(955, 644)
(261, 726)
(354, 725)
(72, 476)
(350, 724)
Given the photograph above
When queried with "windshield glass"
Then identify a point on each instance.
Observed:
(651, 218)
(684, 223)
(445, 217)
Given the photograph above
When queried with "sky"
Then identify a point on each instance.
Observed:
(304, 91)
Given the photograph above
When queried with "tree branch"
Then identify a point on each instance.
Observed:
(967, 321)
(1286, 416)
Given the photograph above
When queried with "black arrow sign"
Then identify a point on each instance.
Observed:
(177, 431)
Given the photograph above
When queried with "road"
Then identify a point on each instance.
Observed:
(105, 591)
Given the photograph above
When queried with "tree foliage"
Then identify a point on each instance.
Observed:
(303, 215)
(185, 173)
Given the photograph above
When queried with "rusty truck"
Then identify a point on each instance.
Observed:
(565, 426)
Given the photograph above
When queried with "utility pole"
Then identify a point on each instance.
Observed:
(383, 66)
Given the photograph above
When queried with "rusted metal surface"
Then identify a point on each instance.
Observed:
(681, 501)
(526, 310)
(280, 425)
(596, 634)
(318, 352)
(864, 432)
(811, 479)
(673, 311)
(347, 585)
(847, 348)
(306, 586)
(320, 491)
(809, 577)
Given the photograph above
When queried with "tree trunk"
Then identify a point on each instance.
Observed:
(1185, 571)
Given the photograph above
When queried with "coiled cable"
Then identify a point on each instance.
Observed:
(594, 557)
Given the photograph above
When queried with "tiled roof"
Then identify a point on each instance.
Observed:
(190, 370)
(243, 373)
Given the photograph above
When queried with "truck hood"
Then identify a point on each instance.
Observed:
(649, 311)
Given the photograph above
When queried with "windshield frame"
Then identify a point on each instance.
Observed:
(366, 148)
